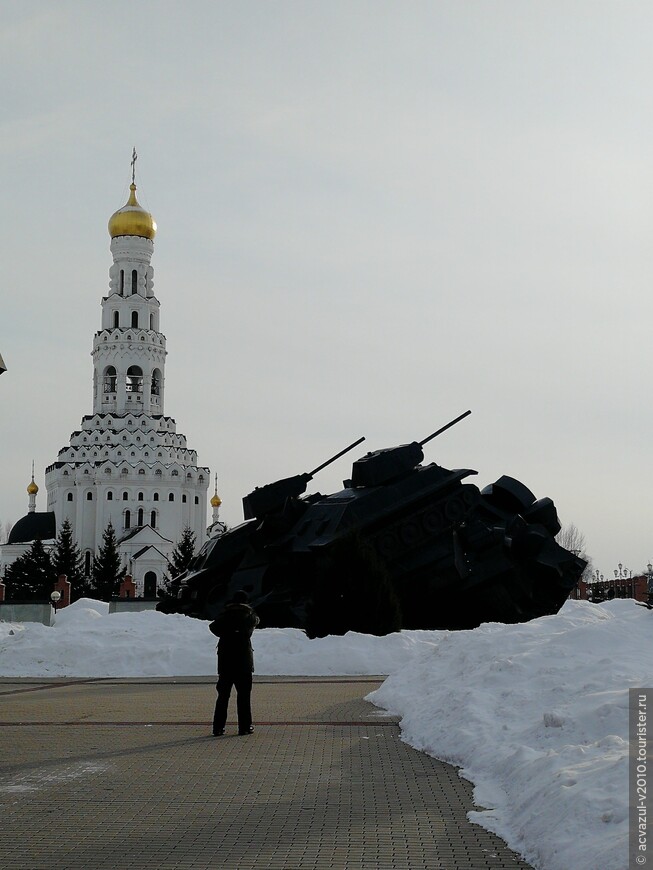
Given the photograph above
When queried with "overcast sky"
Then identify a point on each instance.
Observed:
(372, 216)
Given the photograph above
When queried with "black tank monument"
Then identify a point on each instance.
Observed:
(455, 555)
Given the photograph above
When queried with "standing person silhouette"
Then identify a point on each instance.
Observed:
(234, 627)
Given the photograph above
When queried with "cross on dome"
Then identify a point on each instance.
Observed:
(132, 219)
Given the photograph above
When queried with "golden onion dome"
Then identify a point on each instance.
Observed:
(32, 488)
(216, 501)
(132, 220)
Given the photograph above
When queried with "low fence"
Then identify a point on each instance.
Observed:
(43, 612)
(31, 611)
(132, 605)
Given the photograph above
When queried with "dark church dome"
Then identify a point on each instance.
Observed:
(36, 525)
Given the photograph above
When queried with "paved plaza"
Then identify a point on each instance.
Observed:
(123, 773)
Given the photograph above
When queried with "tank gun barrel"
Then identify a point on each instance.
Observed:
(444, 428)
(272, 497)
(337, 456)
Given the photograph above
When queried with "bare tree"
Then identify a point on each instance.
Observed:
(4, 531)
(573, 540)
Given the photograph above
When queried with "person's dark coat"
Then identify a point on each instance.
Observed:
(234, 627)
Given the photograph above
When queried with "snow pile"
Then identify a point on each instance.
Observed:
(86, 641)
(536, 715)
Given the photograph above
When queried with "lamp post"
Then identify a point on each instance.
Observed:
(54, 598)
(596, 591)
(649, 581)
(622, 576)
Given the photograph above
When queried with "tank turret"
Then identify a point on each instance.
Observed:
(266, 499)
(383, 466)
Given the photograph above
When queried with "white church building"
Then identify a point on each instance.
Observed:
(127, 463)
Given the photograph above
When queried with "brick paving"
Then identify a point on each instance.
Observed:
(117, 774)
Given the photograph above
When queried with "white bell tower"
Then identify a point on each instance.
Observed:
(127, 464)
(129, 351)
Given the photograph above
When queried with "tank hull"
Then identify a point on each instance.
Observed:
(455, 556)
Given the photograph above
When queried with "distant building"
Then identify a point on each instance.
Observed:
(620, 587)
(127, 463)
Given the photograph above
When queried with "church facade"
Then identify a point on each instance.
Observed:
(127, 464)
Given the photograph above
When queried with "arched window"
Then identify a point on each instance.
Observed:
(156, 383)
(158, 472)
(89, 496)
(152, 321)
(183, 498)
(109, 496)
(128, 519)
(109, 381)
(88, 558)
(140, 516)
(153, 519)
(69, 496)
(197, 500)
(116, 319)
(134, 379)
(155, 497)
(125, 496)
(175, 473)
(135, 319)
(141, 471)
(171, 496)
(140, 496)
(122, 281)
(134, 281)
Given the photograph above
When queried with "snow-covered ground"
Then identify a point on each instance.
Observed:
(536, 715)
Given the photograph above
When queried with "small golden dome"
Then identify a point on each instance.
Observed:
(32, 488)
(132, 220)
(216, 501)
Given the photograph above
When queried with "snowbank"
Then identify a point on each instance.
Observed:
(537, 717)
(86, 641)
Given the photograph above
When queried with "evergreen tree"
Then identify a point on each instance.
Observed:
(67, 559)
(107, 569)
(181, 558)
(31, 576)
(352, 592)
